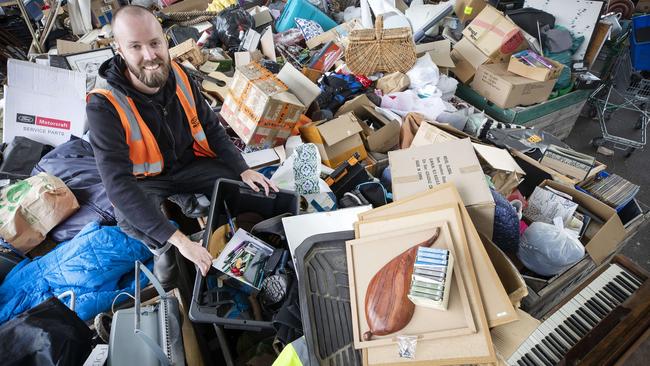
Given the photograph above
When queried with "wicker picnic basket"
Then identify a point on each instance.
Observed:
(380, 50)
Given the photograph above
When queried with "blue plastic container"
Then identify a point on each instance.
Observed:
(640, 51)
(302, 9)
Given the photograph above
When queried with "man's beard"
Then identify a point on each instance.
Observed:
(155, 79)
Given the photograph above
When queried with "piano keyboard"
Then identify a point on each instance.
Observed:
(550, 342)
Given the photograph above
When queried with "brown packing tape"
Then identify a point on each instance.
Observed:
(470, 169)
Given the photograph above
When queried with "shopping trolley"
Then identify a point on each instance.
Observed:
(623, 94)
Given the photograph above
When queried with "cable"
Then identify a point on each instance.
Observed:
(116, 297)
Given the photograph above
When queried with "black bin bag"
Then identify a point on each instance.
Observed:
(48, 334)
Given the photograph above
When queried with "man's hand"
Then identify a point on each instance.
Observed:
(253, 178)
(192, 251)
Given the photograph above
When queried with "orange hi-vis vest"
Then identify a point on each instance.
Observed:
(143, 148)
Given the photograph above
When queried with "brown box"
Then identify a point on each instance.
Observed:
(259, 107)
(468, 9)
(385, 136)
(507, 90)
(337, 140)
(536, 73)
(494, 34)
(512, 281)
(420, 168)
(468, 58)
(600, 243)
(102, 11)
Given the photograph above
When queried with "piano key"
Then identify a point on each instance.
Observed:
(615, 292)
(622, 286)
(577, 326)
(587, 308)
(558, 335)
(534, 358)
(537, 336)
(604, 296)
(541, 356)
(596, 309)
(527, 360)
(556, 352)
(591, 321)
(572, 330)
(628, 286)
(632, 278)
(531, 360)
(629, 282)
(521, 362)
(558, 344)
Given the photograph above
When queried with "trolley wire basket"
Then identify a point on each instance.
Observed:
(623, 97)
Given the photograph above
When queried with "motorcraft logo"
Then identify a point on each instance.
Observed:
(42, 121)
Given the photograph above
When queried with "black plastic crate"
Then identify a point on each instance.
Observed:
(240, 198)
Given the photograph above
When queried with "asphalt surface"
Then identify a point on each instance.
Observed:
(635, 168)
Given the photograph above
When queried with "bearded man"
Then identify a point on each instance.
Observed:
(154, 136)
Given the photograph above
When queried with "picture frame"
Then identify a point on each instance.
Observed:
(89, 63)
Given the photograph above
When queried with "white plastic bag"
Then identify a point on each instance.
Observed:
(423, 72)
(549, 249)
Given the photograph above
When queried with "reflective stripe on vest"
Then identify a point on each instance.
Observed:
(143, 147)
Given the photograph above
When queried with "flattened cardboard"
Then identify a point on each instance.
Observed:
(439, 52)
(507, 90)
(606, 239)
(299, 84)
(369, 253)
(419, 168)
(429, 134)
(508, 337)
(498, 158)
(267, 44)
(64, 47)
(493, 33)
(378, 140)
(512, 281)
(498, 308)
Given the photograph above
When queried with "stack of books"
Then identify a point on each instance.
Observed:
(613, 190)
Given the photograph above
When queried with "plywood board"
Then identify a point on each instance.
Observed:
(498, 308)
(367, 255)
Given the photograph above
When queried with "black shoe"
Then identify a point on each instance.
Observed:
(165, 269)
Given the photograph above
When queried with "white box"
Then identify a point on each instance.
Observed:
(43, 103)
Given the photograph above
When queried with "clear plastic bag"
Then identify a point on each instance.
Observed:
(549, 249)
(407, 346)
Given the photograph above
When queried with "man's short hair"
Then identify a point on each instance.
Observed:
(132, 10)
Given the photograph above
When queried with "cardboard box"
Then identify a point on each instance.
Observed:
(512, 281)
(260, 108)
(516, 66)
(601, 242)
(494, 34)
(337, 34)
(463, 69)
(385, 135)
(43, 103)
(102, 11)
(420, 168)
(507, 90)
(261, 15)
(468, 9)
(337, 140)
(439, 52)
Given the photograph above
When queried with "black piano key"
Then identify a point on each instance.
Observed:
(530, 360)
(622, 290)
(561, 345)
(594, 316)
(567, 335)
(625, 283)
(616, 293)
(602, 310)
(527, 360)
(578, 326)
(520, 362)
(602, 295)
(574, 332)
(555, 352)
(587, 317)
(624, 287)
(586, 327)
(632, 278)
(537, 350)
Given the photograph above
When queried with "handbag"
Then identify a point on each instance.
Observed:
(149, 335)
(379, 49)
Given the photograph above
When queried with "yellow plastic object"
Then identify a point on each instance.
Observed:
(219, 5)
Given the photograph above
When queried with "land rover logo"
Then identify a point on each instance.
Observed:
(25, 118)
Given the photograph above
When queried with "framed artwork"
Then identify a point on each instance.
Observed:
(89, 62)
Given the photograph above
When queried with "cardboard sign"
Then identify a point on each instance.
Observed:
(45, 104)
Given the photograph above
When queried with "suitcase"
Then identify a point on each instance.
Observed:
(149, 335)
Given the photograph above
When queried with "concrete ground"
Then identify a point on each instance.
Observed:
(635, 168)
